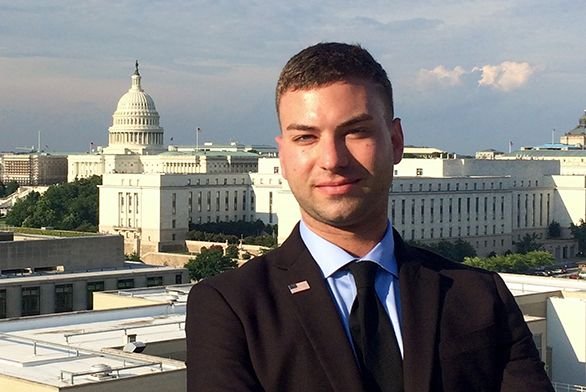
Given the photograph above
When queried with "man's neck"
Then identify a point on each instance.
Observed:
(357, 240)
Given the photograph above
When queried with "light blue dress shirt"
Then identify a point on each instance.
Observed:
(331, 259)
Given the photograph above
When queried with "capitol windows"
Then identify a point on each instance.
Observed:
(431, 210)
(227, 200)
(270, 207)
(541, 209)
(419, 171)
(217, 200)
(199, 201)
(174, 203)
(235, 200)
(412, 211)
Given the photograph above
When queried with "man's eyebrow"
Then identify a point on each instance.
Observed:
(355, 120)
(300, 127)
(352, 121)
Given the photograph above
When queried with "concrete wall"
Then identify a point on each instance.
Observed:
(108, 300)
(566, 323)
(166, 259)
(13, 384)
(46, 283)
(73, 254)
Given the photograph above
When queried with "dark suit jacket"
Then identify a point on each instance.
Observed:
(461, 328)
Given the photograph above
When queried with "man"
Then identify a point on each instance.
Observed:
(297, 319)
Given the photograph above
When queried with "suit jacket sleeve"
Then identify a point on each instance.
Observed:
(217, 354)
(524, 370)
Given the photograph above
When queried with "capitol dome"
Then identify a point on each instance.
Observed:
(135, 123)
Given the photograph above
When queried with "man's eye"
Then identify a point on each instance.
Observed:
(358, 132)
(303, 138)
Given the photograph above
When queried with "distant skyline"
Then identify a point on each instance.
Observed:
(467, 75)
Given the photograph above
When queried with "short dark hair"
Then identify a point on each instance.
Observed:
(330, 62)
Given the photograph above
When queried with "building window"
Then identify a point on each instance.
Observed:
(217, 200)
(154, 281)
(63, 298)
(271, 207)
(125, 284)
(3, 313)
(93, 287)
(174, 203)
(173, 223)
(31, 301)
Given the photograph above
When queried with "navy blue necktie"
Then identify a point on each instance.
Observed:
(374, 339)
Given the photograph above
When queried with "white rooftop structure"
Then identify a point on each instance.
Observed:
(77, 348)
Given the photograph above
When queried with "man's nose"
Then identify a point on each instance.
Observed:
(333, 153)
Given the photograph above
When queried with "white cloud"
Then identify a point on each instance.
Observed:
(441, 75)
(506, 76)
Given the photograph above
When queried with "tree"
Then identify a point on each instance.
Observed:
(513, 263)
(232, 251)
(8, 189)
(579, 233)
(528, 244)
(457, 250)
(554, 230)
(70, 206)
(209, 262)
(22, 209)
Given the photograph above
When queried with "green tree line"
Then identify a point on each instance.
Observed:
(252, 233)
(69, 206)
(513, 262)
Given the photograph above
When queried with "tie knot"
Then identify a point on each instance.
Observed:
(364, 273)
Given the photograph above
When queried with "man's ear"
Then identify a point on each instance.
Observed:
(397, 139)
(279, 141)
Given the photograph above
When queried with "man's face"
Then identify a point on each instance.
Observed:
(337, 149)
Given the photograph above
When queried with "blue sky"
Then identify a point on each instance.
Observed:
(468, 75)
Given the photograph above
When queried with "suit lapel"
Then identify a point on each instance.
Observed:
(420, 303)
(317, 313)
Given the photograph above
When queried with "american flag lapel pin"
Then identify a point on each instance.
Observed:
(298, 287)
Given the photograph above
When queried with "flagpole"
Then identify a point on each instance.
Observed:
(197, 131)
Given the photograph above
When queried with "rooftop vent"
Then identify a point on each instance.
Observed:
(101, 371)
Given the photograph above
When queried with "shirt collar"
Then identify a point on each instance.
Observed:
(330, 258)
